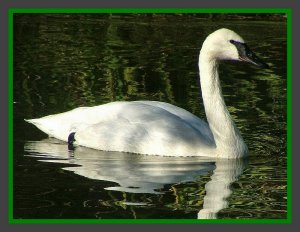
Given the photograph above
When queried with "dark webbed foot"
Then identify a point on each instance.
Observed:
(71, 139)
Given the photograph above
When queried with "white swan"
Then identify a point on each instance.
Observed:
(158, 128)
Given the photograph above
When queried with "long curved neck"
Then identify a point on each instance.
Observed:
(226, 135)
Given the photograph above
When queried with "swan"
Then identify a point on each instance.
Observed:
(159, 128)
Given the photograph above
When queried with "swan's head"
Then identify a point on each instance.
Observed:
(225, 44)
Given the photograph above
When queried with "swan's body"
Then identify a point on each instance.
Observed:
(145, 127)
(158, 128)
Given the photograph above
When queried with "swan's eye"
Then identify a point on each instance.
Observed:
(234, 42)
(240, 46)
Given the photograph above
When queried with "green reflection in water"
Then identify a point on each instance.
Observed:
(65, 61)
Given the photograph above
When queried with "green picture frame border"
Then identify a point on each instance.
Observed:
(286, 11)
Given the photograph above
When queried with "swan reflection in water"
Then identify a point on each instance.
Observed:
(145, 174)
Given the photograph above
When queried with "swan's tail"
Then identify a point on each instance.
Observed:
(38, 124)
(29, 121)
(33, 121)
(51, 127)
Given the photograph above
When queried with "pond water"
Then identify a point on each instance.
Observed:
(65, 61)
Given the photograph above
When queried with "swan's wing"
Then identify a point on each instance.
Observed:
(188, 117)
(146, 129)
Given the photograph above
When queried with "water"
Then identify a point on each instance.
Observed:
(66, 61)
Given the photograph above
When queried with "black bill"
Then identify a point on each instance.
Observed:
(245, 54)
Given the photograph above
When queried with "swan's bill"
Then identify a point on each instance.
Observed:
(245, 54)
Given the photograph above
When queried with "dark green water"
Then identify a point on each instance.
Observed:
(65, 61)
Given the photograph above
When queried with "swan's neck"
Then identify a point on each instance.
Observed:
(227, 137)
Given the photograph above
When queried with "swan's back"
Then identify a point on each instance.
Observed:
(145, 127)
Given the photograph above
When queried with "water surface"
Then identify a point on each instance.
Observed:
(65, 61)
